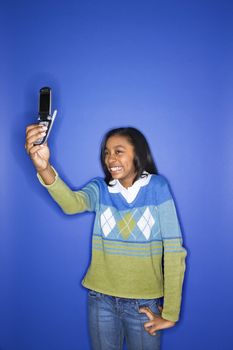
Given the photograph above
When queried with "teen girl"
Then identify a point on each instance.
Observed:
(137, 253)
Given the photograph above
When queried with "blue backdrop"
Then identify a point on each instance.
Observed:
(162, 66)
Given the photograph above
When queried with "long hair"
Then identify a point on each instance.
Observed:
(143, 160)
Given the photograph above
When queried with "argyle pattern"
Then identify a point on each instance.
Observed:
(139, 224)
(107, 221)
(126, 225)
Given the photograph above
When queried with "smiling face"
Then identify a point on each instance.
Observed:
(119, 159)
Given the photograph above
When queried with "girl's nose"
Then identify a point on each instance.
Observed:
(112, 157)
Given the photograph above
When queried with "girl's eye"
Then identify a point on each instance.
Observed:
(119, 151)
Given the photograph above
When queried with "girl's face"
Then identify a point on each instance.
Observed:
(119, 159)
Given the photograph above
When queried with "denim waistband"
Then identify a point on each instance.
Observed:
(124, 300)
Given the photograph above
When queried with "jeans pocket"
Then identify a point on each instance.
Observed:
(147, 302)
(152, 304)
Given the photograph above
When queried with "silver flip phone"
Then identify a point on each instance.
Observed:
(45, 117)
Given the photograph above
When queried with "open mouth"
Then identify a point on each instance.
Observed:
(115, 169)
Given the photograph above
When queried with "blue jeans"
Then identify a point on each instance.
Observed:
(112, 319)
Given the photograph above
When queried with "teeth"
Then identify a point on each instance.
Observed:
(116, 168)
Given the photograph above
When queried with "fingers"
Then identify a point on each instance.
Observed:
(34, 149)
(34, 130)
(148, 312)
(154, 323)
(150, 327)
(33, 133)
(32, 126)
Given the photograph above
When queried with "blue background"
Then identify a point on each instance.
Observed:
(162, 66)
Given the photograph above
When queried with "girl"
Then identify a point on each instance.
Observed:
(137, 253)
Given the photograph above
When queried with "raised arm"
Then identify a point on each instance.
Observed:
(70, 201)
(39, 154)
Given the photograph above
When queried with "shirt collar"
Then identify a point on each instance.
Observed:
(131, 192)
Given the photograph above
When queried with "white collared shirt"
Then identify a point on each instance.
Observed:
(129, 193)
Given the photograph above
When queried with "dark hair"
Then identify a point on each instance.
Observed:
(143, 160)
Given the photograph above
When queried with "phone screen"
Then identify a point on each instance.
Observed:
(45, 101)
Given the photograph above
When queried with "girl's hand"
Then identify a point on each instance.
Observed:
(155, 322)
(39, 154)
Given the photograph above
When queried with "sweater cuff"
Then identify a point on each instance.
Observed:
(51, 185)
(172, 318)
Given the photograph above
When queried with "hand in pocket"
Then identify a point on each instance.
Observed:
(156, 322)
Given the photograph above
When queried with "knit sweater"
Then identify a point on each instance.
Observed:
(137, 247)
